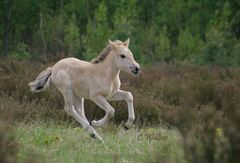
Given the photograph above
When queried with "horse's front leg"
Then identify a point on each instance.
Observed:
(127, 96)
(103, 104)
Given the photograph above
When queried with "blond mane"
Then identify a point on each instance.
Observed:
(106, 51)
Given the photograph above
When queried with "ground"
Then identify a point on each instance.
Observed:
(52, 143)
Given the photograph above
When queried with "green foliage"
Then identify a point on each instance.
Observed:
(160, 31)
(54, 33)
(97, 32)
(163, 46)
(72, 36)
(219, 50)
(188, 45)
(123, 19)
(21, 52)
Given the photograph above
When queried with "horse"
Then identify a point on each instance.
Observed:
(97, 80)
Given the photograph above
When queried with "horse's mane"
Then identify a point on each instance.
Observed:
(105, 52)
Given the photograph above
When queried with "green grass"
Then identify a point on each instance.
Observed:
(51, 143)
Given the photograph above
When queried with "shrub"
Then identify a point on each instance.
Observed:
(8, 146)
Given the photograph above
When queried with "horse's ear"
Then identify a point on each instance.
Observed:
(126, 43)
(112, 44)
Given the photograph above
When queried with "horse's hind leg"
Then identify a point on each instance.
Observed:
(62, 81)
(70, 109)
(79, 106)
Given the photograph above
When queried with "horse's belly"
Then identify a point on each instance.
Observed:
(81, 89)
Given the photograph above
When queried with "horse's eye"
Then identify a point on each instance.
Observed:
(122, 56)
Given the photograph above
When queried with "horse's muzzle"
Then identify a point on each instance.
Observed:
(135, 70)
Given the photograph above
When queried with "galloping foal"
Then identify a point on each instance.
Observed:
(97, 80)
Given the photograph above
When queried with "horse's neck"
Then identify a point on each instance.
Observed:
(110, 69)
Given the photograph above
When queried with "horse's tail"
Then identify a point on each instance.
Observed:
(42, 81)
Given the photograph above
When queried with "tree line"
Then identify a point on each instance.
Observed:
(203, 32)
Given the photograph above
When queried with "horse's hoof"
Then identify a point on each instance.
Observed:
(96, 137)
(93, 136)
(94, 123)
(125, 127)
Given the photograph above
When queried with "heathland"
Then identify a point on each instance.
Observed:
(184, 113)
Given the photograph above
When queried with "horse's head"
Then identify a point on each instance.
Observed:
(124, 57)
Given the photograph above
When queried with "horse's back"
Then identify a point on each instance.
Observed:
(71, 62)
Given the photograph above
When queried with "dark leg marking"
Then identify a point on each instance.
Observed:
(125, 127)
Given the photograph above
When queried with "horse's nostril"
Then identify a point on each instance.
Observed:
(137, 69)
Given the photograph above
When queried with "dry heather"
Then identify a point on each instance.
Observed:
(8, 146)
(203, 102)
